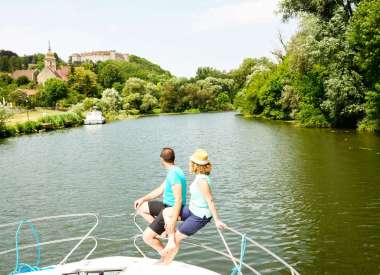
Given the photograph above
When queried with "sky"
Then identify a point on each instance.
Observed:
(178, 35)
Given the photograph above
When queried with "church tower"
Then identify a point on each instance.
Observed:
(50, 60)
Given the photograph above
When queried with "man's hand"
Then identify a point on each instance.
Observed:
(138, 202)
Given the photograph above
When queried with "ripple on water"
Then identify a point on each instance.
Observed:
(300, 192)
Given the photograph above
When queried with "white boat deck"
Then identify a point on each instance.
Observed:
(124, 266)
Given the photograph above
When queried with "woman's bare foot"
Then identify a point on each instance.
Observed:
(169, 257)
(162, 257)
(169, 247)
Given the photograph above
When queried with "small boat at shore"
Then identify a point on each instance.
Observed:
(94, 117)
(122, 265)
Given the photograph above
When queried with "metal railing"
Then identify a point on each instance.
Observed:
(229, 254)
(80, 239)
(88, 235)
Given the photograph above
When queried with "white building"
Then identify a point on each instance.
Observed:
(96, 56)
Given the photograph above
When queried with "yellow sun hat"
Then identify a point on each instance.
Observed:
(200, 157)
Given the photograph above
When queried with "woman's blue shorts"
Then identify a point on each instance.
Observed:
(191, 223)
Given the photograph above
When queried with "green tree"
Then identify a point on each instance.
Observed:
(152, 89)
(109, 74)
(323, 9)
(172, 95)
(204, 72)
(133, 101)
(111, 100)
(223, 102)
(84, 82)
(53, 90)
(241, 74)
(345, 98)
(134, 85)
(364, 39)
(5, 79)
(18, 98)
(371, 122)
(149, 103)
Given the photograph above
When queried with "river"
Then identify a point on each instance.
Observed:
(310, 195)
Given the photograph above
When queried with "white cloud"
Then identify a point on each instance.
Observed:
(244, 12)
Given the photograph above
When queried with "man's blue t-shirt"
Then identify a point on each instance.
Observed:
(175, 175)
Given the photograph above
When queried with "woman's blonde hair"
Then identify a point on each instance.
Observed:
(199, 163)
(200, 169)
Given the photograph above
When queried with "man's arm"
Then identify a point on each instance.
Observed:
(151, 196)
(177, 192)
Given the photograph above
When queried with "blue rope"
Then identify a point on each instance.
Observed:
(243, 251)
(22, 267)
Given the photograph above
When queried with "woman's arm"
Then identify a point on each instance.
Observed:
(206, 191)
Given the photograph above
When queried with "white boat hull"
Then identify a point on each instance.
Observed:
(94, 117)
(94, 122)
(124, 266)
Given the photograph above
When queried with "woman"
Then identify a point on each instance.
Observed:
(199, 212)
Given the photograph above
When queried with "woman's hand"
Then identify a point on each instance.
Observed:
(170, 226)
(138, 203)
(219, 224)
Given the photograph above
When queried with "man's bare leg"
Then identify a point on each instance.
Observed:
(149, 237)
(144, 212)
(169, 257)
(167, 213)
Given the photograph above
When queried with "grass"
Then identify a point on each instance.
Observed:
(34, 115)
(43, 123)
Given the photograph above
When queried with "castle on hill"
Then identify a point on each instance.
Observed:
(96, 56)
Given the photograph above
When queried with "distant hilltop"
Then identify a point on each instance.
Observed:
(96, 56)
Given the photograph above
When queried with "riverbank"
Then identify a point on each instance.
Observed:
(42, 124)
(43, 120)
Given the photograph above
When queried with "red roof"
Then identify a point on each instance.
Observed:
(28, 73)
(63, 72)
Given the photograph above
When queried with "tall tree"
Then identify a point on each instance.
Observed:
(323, 9)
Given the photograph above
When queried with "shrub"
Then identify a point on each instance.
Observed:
(149, 103)
(22, 80)
(367, 125)
(10, 131)
(90, 102)
(309, 116)
(192, 111)
(62, 120)
(133, 112)
(28, 127)
(4, 115)
(54, 89)
(111, 100)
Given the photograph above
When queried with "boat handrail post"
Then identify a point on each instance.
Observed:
(292, 270)
(83, 239)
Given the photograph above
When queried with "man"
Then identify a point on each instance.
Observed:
(173, 189)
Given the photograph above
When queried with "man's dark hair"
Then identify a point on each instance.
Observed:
(167, 154)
